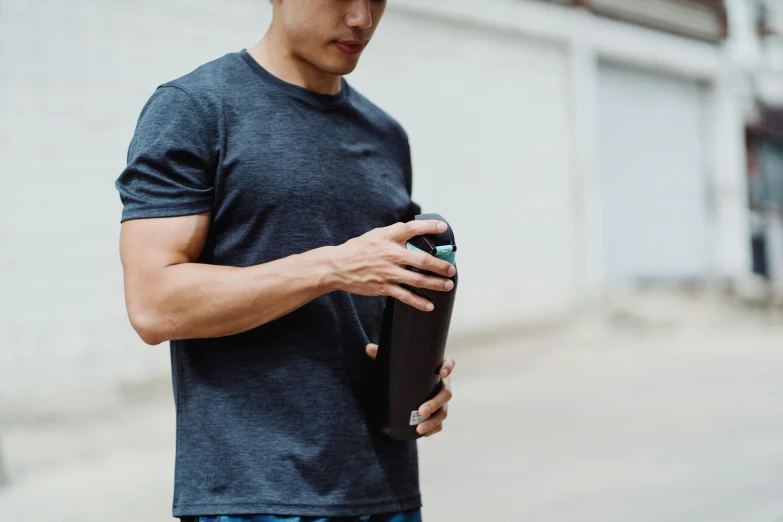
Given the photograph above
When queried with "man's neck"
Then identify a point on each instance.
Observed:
(273, 54)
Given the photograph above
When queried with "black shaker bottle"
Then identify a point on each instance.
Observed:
(412, 345)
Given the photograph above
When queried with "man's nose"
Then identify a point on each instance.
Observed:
(359, 15)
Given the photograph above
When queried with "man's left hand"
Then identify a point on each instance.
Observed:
(438, 406)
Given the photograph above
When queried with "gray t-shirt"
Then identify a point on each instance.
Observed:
(274, 420)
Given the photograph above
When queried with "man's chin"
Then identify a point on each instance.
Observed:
(338, 63)
(343, 68)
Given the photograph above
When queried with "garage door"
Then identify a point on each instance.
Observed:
(652, 176)
(487, 114)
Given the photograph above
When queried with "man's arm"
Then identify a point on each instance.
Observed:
(170, 296)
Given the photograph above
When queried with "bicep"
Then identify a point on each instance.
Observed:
(149, 246)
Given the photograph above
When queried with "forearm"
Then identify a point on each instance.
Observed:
(192, 300)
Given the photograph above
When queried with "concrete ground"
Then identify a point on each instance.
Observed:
(651, 419)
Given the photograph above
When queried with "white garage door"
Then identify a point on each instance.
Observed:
(652, 175)
(488, 121)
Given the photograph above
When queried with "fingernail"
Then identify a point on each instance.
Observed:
(424, 411)
(444, 372)
(442, 227)
(452, 271)
(430, 307)
(448, 285)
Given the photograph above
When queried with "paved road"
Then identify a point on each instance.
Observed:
(670, 425)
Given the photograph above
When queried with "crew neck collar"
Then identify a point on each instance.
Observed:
(316, 98)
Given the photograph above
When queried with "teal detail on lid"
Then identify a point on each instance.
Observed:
(445, 252)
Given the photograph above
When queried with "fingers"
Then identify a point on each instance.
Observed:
(433, 432)
(429, 263)
(440, 400)
(402, 232)
(434, 424)
(409, 298)
(447, 367)
(372, 350)
(419, 280)
(439, 404)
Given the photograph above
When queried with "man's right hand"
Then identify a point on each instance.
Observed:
(374, 264)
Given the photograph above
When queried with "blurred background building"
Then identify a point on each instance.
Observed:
(578, 147)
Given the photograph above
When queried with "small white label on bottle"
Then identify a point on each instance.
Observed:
(417, 419)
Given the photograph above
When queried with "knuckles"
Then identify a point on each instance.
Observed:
(418, 281)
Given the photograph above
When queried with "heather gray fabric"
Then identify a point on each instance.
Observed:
(273, 421)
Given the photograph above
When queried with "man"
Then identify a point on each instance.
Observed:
(266, 208)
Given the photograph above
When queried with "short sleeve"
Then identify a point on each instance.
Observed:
(169, 171)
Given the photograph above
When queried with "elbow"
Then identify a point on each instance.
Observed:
(148, 327)
(151, 337)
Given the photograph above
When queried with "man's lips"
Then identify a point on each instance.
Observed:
(351, 46)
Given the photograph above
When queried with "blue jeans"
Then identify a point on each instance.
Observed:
(409, 516)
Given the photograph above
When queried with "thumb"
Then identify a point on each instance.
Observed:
(372, 350)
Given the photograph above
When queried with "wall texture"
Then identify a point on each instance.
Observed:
(500, 104)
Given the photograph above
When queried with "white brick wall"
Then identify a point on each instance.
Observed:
(74, 78)
(500, 104)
